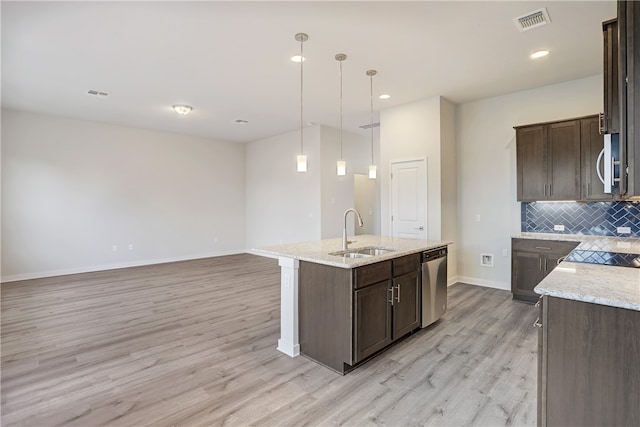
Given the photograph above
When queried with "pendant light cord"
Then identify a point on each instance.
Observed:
(341, 158)
(371, 77)
(301, 98)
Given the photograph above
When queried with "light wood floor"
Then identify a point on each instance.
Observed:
(194, 344)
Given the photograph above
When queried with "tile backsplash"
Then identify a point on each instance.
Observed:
(595, 219)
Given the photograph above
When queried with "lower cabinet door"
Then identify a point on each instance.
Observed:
(406, 304)
(526, 273)
(372, 319)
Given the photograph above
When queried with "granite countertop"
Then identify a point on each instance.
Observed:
(318, 251)
(594, 283)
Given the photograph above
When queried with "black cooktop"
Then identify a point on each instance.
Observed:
(605, 258)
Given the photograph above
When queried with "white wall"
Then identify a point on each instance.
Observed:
(412, 131)
(338, 192)
(283, 205)
(487, 169)
(71, 189)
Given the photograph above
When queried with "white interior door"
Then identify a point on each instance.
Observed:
(409, 199)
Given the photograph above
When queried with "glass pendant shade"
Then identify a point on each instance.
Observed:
(372, 172)
(302, 163)
(341, 167)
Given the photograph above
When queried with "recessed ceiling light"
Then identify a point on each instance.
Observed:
(298, 58)
(539, 54)
(385, 96)
(182, 109)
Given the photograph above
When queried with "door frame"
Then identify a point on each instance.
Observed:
(426, 190)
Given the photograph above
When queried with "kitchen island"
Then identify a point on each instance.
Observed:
(323, 292)
(589, 343)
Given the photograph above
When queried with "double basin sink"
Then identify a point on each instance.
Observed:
(365, 252)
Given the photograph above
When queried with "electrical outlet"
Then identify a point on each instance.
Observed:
(477, 217)
(215, 240)
(624, 230)
(558, 227)
(130, 246)
(505, 252)
(114, 248)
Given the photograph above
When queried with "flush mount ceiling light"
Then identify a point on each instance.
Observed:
(384, 96)
(182, 109)
(341, 165)
(372, 166)
(301, 158)
(539, 54)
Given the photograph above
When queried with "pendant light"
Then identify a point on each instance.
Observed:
(372, 166)
(302, 158)
(341, 165)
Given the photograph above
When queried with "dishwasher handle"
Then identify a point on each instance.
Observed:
(434, 254)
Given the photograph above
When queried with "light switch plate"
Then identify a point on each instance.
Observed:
(624, 230)
(558, 227)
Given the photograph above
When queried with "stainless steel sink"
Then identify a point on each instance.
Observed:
(366, 252)
(372, 250)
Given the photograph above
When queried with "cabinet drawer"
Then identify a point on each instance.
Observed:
(372, 273)
(406, 264)
(543, 246)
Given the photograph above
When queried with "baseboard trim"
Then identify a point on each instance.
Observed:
(105, 267)
(484, 282)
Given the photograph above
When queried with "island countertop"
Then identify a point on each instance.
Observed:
(318, 251)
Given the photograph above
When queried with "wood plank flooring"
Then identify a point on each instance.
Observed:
(194, 344)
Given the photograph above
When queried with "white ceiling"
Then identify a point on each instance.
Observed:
(230, 60)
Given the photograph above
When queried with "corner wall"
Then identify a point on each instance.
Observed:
(488, 213)
(72, 189)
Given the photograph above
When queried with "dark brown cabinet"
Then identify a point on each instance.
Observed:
(531, 261)
(588, 366)
(610, 119)
(396, 302)
(557, 161)
(628, 84)
(532, 150)
(548, 161)
(346, 316)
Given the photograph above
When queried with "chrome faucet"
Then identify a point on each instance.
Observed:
(345, 243)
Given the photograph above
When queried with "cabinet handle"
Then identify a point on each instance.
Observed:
(537, 323)
(545, 190)
(601, 123)
(560, 260)
(550, 192)
(540, 264)
(398, 296)
(537, 305)
(545, 264)
(543, 248)
(390, 290)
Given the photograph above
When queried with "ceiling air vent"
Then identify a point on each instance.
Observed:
(532, 20)
(97, 93)
(370, 125)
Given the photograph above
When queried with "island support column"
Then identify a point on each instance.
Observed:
(288, 342)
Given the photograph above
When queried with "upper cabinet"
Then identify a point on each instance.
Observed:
(559, 161)
(628, 84)
(610, 119)
(548, 161)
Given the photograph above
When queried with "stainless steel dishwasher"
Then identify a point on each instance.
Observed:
(434, 285)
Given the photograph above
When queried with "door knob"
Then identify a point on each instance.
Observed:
(419, 228)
